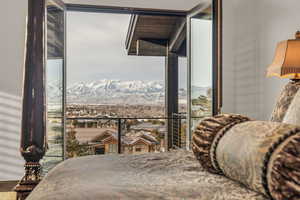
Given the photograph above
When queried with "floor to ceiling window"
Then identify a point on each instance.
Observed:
(105, 85)
(108, 91)
(200, 67)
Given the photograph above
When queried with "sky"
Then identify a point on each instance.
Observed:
(201, 52)
(96, 50)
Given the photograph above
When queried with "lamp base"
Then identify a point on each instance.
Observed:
(30, 180)
(295, 80)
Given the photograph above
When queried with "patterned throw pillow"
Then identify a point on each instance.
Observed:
(261, 155)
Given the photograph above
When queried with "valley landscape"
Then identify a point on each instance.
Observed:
(94, 107)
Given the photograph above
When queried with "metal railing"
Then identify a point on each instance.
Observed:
(81, 136)
(179, 130)
(123, 125)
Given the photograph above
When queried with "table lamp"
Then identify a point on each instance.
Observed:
(286, 63)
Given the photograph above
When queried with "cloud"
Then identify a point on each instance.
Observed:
(96, 50)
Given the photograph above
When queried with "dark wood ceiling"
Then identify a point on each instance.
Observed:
(154, 35)
(150, 28)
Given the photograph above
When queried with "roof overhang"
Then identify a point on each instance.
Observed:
(149, 35)
(155, 35)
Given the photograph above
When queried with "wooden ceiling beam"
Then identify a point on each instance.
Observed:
(151, 47)
(131, 31)
(178, 37)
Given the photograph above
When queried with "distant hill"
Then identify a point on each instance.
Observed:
(116, 92)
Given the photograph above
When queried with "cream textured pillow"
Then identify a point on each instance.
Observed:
(292, 115)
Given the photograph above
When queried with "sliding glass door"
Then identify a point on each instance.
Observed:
(56, 84)
(202, 69)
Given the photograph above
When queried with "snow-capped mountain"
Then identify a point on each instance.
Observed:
(114, 92)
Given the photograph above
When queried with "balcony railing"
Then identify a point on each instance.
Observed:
(179, 130)
(113, 135)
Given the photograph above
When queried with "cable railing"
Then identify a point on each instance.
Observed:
(86, 136)
(179, 130)
(125, 135)
(106, 135)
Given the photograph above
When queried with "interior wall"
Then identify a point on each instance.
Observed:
(279, 20)
(228, 57)
(251, 31)
(241, 83)
(13, 21)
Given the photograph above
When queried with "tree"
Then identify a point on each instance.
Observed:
(74, 148)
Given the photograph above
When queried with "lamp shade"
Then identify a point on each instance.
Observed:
(286, 63)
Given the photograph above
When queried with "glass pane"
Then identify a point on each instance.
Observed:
(201, 69)
(100, 136)
(55, 86)
(55, 137)
(49, 162)
(143, 136)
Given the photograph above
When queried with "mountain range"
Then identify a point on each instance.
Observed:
(116, 92)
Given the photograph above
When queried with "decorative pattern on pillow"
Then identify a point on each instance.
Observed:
(284, 101)
(244, 153)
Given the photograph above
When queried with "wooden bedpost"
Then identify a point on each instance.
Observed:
(33, 143)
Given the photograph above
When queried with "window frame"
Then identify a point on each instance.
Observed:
(59, 4)
(217, 45)
(217, 23)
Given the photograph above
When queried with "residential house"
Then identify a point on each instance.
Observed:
(131, 143)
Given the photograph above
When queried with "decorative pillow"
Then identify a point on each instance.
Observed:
(207, 132)
(284, 101)
(263, 156)
(292, 115)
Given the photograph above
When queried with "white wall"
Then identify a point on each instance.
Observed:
(12, 40)
(241, 83)
(251, 31)
(279, 20)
